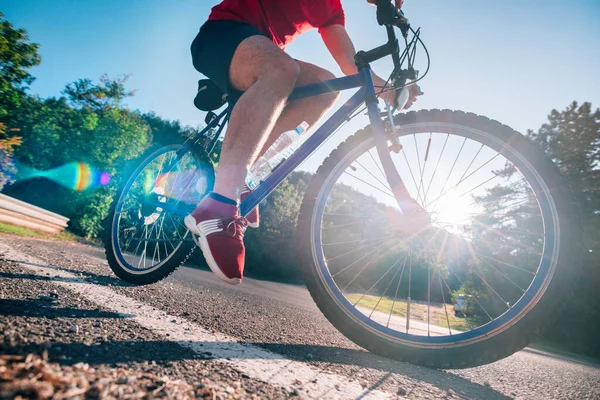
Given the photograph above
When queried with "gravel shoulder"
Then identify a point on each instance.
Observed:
(280, 318)
(81, 346)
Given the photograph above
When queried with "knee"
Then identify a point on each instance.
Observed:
(285, 73)
(291, 69)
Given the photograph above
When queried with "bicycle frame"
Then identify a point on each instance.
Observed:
(366, 94)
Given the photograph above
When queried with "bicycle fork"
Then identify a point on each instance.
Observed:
(405, 202)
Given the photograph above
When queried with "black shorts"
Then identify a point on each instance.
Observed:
(213, 49)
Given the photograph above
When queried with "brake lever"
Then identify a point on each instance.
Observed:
(402, 23)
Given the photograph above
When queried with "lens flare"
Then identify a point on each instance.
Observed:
(186, 186)
(77, 176)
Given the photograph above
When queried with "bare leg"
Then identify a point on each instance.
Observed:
(310, 109)
(268, 76)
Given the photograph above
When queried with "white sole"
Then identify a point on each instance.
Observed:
(201, 241)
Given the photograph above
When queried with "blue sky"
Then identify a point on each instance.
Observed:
(510, 60)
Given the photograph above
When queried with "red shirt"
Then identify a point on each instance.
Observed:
(281, 20)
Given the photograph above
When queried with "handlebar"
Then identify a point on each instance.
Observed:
(391, 17)
(388, 14)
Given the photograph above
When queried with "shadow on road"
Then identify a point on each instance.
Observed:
(42, 309)
(89, 277)
(165, 352)
(364, 359)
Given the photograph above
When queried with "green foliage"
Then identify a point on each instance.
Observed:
(58, 131)
(17, 55)
(271, 250)
(106, 94)
(28, 232)
(164, 131)
(7, 147)
(572, 139)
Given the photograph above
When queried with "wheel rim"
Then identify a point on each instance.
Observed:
(380, 303)
(145, 235)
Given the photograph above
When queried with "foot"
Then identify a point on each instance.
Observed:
(253, 216)
(220, 234)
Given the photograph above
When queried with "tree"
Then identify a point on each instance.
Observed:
(571, 138)
(17, 55)
(87, 126)
(7, 146)
(165, 131)
(105, 95)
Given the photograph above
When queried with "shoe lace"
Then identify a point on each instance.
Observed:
(236, 226)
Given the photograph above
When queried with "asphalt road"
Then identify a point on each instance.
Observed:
(278, 325)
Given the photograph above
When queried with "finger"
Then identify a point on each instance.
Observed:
(399, 3)
(410, 102)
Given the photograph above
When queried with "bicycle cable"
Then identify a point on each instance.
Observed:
(403, 57)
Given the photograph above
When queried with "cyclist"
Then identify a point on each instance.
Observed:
(241, 49)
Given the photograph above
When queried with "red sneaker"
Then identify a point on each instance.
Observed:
(220, 234)
(253, 217)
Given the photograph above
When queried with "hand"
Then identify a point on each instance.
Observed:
(390, 96)
(414, 91)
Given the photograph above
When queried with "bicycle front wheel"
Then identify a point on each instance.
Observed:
(488, 274)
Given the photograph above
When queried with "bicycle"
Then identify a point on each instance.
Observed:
(381, 256)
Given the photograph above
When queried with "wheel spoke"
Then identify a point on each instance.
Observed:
(486, 235)
(464, 179)
(384, 184)
(360, 259)
(357, 241)
(503, 274)
(409, 169)
(505, 263)
(444, 303)
(158, 233)
(435, 169)
(421, 170)
(371, 185)
(376, 164)
(448, 176)
(342, 225)
(375, 284)
(363, 268)
(395, 294)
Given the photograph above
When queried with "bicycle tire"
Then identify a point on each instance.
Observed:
(185, 248)
(521, 331)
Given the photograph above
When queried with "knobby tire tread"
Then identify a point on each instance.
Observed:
(514, 338)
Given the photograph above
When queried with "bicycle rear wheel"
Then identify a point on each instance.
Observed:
(145, 238)
(489, 273)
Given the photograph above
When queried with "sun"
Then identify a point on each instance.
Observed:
(453, 211)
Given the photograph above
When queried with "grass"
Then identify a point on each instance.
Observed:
(28, 232)
(418, 310)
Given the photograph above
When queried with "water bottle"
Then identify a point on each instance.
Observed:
(282, 148)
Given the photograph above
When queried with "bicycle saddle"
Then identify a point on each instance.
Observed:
(209, 96)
